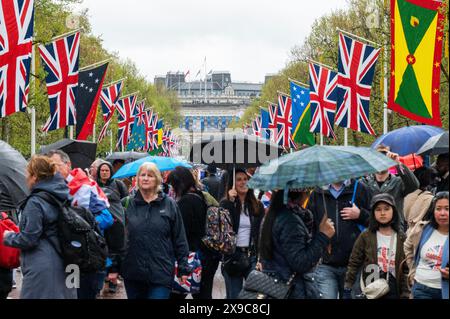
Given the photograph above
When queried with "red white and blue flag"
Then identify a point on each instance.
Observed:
(284, 121)
(108, 99)
(16, 37)
(127, 111)
(141, 113)
(273, 124)
(61, 64)
(323, 91)
(357, 63)
(256, 126)
(152, 131)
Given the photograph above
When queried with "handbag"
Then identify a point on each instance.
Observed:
(379, 287)
(238, 264)
(192, 285)
(259, 285)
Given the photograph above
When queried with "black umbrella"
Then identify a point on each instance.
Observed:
(228, 151)
(126, 156)
(81, 153)
(13, 186)
(435, 145)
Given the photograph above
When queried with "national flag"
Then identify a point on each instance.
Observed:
(141, 113)
(126, 108)
(109, 98)
(16, 43)
(357, 63)
(284, 121)
(301, 115)
(138, 139)
(273, 125)
(417, 33)
(152, 131)
(256, 126)
(89, 90)
(323, 88)
(61, 65)
(160, 127)
(265, 120)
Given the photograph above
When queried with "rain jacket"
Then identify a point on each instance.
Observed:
(155, 240)
(42, 267)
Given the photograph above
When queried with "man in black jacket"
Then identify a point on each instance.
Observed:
(349, 219)
(212, 182)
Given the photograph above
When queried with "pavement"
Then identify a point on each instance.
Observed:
(218, 290)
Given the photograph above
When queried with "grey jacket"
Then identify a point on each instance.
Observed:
(398, 186)
(42, 267)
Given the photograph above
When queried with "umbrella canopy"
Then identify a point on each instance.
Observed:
(408, 140)
(229, 150)
(319, 166)
(436, 145)
(163, 164)
(126, 156)
(13, 186)
(81, 153)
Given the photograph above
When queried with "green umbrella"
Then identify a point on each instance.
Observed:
(319, 166)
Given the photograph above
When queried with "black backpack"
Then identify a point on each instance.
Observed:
(80, 238)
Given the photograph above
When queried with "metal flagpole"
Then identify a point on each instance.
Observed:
(206, 86)
(321, 139)
(345, 136)
(358, 37)
(33, 109)
(71, 132)
(93, 134)
(385, 110)
(111, 141)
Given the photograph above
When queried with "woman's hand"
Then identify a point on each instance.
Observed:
(444, 273)
(232, 194)
(327, 227)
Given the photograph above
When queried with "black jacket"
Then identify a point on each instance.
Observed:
(212, 183)
(193, 210)
(294, 251)
(5, 281)
(255, 220)
(155, 240)
(347, 231)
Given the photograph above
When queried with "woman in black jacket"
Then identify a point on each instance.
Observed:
(287, 247)
(193, 207)
(246, 213)
(156, 239)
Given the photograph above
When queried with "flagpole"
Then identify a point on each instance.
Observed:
(71, 132)
(33, 109)
(324, 65)
(111, 141)
(345, 136)
(93, 134)
(128, 95)
(282, 93)
(358, 37)
(92, 66)
(321, 139)
(299, 83)
(65, 34)
(112, 83)
(206, 86)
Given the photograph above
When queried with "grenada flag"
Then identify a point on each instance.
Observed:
(417, 28)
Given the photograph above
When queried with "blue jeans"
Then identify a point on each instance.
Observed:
(143, 290)
(330, 281)
(420, 291)
(91, 284)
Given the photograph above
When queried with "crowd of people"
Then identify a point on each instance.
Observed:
(331, 241)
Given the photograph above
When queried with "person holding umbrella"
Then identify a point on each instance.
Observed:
(246, 214)
(287, 244)
(398, 186)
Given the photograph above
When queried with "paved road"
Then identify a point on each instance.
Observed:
(218, 292)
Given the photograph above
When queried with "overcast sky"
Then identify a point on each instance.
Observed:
(249, 38)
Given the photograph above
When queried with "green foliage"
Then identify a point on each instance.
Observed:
(50, 21)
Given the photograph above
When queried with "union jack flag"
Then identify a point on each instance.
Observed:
(357, 63)
(272, 130)
(168, 143)
(323, 84)
(141, 113)
(61, 64)
(109, 98)
(16, 36)
(284, 122)
(256, 126)
(127, 111)
(152, 132)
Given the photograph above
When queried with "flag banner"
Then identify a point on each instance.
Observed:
(61, 65)
(256, 126)
(301, 115)
(89, 90)
(416, 38)
(265, 120)
(273, 125)
(323, 88)
(357, 63)
(284, 121)
(126, 107)
(138, 139)
(108, 99)
(16, 45)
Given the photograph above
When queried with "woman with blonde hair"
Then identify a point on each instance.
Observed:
(42, 267)
(156, 239)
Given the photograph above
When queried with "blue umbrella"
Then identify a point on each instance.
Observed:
(163, 164)
(408, 140)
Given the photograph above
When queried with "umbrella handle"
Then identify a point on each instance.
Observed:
(326, 215)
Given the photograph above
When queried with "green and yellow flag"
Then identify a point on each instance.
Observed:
(416, 37)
